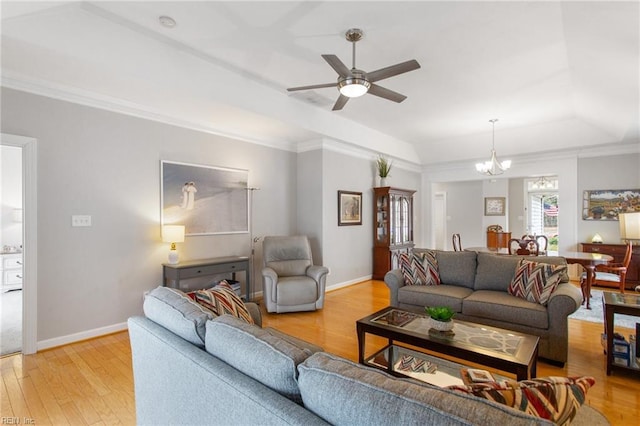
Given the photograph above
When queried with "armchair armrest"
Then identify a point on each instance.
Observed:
(270, 279)
(317, 272)
(615, 268)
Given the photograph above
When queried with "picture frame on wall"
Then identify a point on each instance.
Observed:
(495, 206)
(607, 204)
(207, 200)
(349, 208)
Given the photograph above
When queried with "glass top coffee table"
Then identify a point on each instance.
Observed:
(504, 350)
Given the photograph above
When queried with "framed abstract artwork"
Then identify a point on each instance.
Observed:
(349, 208)
(494, 206)
(205, 199)
(606, 204)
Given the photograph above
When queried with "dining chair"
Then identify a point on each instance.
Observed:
(524, 247)
(457, 244)
(612, 273)
(543, 242)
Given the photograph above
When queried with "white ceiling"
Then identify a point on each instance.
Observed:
(557, 75)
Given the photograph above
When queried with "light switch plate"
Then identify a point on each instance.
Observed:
(80, 220)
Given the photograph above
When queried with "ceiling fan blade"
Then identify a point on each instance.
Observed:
(315, 86)
(340, 103)
(386, 93)
(337, 65)
(392, 70)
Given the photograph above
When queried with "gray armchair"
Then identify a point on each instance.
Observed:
(291, 282)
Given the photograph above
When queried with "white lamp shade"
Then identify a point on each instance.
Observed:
(630, 226)
(173, 233)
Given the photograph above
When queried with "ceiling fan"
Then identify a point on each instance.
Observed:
(354, 82)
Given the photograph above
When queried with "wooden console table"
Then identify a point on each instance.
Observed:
(172, 274)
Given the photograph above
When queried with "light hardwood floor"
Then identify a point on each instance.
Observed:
(91, 382)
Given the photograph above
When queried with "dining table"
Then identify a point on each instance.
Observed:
(588, 261)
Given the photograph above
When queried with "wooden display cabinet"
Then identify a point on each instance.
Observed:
(392, 227)
(618, 251)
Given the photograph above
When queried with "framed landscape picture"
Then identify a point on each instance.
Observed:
(349, 208)
(608, 203)
(494, 206)
(205, 199)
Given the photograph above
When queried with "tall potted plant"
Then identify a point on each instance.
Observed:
(384, 168)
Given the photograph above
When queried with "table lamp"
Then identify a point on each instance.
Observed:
(629, 226)
(173, 234)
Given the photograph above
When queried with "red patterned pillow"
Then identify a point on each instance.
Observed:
(554, 398)
(412, 269)
(431, 268)
(221, 300)
(536, 281)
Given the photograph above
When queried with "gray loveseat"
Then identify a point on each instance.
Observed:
(197, 370)
(475, 286)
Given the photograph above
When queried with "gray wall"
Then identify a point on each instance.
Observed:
(614, 172)
(465, 211)
(106, 165)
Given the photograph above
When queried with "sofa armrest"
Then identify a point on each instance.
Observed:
(254, 311)
(394, 280)
(566, 299)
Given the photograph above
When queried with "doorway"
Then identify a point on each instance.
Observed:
(29, 236)
(543, 208)
(10, 250)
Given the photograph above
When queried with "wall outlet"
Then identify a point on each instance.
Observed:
(80, 220)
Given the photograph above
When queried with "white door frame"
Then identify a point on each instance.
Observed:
(29, 239)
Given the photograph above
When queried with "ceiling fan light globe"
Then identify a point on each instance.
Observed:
(353, 87)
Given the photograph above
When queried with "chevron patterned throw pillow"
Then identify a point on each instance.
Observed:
(536, 281)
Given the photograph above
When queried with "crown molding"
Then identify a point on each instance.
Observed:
(108, 103)
(350, 150)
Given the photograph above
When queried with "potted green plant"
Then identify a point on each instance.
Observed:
(441, 317)
(384, 168)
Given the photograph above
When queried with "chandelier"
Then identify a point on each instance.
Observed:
(493, 166)
(543, 183)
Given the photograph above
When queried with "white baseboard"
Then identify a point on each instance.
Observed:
(348, 283)
(97, 332)
(84, 335)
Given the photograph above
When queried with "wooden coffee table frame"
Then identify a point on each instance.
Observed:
(522, 364)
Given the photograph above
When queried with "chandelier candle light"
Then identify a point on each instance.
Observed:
(493, 166)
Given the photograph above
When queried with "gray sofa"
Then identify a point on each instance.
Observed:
(475, 286)
(196, 370)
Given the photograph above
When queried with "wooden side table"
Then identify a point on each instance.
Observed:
(172, 274)
(617, 303)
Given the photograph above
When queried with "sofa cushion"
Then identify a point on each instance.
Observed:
(495, 271)
(412, 268)
(176, 312)
(222, 300)
(259, 353)
(342, 392)
(440, 295)
(501, 306)
(554, 398)
(457, 267)
(535, 281)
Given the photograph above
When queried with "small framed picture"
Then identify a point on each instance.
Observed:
(494, 206)
(349, 208)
